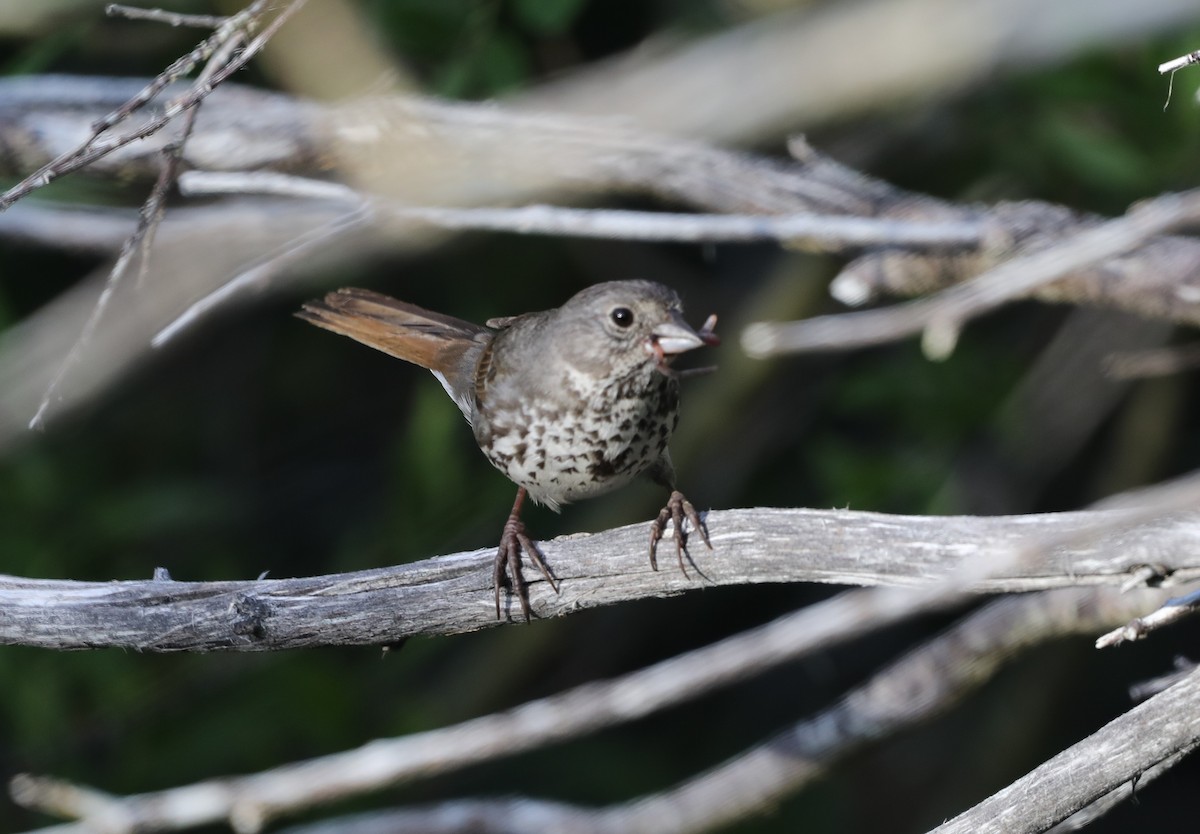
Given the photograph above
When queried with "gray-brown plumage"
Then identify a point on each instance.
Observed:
(568, 403)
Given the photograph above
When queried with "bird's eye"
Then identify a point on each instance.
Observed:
(622, 316)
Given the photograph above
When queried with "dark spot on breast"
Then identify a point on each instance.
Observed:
(601, 467)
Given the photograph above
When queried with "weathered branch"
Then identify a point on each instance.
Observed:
(932, 678)
(426, 152)
(139, 244)
(451, 594)
(1164, 726)
(942, 316)
(826, 232)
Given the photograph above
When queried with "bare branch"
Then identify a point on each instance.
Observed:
(530, 155)
(259, 276)
(932, 677)
(199, 21)
(942, 316)
(802, 76)
(1163, 727)
(249, 802)
(1153, 362)
(831, 233)
(1179, 63)
(451, 594)
(92, 149)
(1172, 611)
(1121, 794)
(140, 242)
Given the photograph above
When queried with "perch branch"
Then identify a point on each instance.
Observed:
(452, 594)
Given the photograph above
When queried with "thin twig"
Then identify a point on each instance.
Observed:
(828, 232)
(1172, 611)
(257, 277)
(1179, 63)
(943, 315)
(199, 21)
(1145, 689)
(1154, 362)
(140, 242)
(242, 22)
(89, 151)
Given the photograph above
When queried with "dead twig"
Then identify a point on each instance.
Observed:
(141, 241)
(92, 149)
(199, 21)
(1172, 611)
(942, 316)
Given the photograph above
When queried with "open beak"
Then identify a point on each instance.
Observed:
(674, 337)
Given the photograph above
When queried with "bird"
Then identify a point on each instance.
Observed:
(568, 403)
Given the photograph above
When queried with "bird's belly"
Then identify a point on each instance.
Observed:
(563, 457)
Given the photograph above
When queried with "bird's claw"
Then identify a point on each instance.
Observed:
(677, 509)
(507, 568)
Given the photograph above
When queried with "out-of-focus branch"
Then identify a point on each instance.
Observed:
(932, 677)
(1152, 362)
(830, 233)
(200, 21)
(942, 316)
(807, 64)
(451, 594)
(1179, 63)
(93, 147)
(434, 154)
(137, 247)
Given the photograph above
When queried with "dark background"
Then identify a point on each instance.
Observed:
(261, 444)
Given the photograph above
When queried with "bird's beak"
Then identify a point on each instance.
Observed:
(674, 337)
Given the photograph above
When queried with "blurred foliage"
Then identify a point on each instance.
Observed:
(264, 445)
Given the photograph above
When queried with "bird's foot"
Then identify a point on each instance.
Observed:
(507, 567)
(678, 508)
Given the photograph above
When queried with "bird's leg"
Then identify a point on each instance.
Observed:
(677, 509)
(507, 567)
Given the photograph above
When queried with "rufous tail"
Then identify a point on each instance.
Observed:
(438, 342)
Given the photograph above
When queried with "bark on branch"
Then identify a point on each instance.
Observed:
(453, 593)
